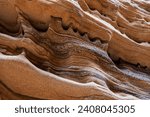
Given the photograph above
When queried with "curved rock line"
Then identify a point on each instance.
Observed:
(74, 49)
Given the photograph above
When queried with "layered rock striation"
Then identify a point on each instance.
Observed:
(74, 49)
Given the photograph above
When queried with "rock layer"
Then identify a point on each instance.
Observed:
(74, 49)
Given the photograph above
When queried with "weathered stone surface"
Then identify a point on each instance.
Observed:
(74, 49)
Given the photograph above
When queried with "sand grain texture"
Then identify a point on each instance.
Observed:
(74, 49)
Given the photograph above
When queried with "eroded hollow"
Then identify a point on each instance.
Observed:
(61, 49)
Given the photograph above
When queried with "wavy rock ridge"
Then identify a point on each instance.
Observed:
(74, 49)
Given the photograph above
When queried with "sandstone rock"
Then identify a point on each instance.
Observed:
(74, 49)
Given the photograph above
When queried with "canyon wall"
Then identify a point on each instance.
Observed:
(74, 49)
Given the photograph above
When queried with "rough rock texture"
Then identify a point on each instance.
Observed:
(74, 49)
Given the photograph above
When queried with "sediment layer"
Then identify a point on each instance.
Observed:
(74, 49)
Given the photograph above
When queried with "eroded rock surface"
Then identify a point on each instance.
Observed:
(74, 49)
